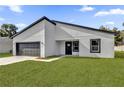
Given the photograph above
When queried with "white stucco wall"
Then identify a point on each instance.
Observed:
(5, 44)
(70, 33)
(51, 47)
(34, 34)
(62, 47)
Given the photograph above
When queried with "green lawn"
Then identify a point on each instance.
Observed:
(5, 55)
(68, 71)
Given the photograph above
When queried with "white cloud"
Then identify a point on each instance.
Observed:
(2, 19)
(86, 8)
(117, 11)
(21, 26)
(72, 20)
(16, 8)
(110, 23)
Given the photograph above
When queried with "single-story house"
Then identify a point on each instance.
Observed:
(47, 37)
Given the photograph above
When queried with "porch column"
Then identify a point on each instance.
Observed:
(42, 50)
(14, 49)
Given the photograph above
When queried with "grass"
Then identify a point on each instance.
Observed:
(119, 54)
(5, 55)
(68, 71)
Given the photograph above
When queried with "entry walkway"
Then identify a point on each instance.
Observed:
(48, 60)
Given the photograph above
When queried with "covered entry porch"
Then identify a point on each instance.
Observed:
(68, 47)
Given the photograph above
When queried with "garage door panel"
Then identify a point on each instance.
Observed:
(29, 49)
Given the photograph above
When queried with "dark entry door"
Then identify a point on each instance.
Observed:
(68, 48)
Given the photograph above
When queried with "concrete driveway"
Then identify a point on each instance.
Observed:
(15, 59)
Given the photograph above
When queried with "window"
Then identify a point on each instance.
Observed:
(95, 45)
(75, 46)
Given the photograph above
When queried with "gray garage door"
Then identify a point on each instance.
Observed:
(28, 49)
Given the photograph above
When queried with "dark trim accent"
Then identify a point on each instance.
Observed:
(104, 31)
(28, 42)
(73, 46)
(39, 20)
(17, 48)
(99, 46)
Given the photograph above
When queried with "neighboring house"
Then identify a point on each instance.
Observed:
(5, 44)
(47, 37)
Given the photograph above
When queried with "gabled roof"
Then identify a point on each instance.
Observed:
(94, 29)
(54, 22)
(39, 20)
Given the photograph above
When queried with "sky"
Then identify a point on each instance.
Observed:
(90, 16)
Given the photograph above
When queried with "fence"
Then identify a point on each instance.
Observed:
(119, 48)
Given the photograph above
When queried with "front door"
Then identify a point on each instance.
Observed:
(68, 48)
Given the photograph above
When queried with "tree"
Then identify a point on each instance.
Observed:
(3, 33)
(122, 24)
(104, 28)
(118, 38)
(8, 30)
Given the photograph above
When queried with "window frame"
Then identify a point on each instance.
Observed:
(99, 46)
(75, 46)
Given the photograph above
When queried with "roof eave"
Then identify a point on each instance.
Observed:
(39, 20)
(104, 31)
